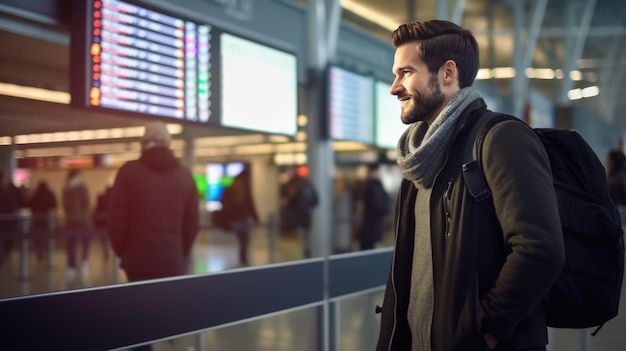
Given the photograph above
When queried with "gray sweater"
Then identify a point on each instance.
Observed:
(420, 312)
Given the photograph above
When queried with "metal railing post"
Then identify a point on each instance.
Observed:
(25, 249)
(272, 229)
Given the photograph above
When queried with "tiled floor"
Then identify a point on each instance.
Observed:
(212, 252)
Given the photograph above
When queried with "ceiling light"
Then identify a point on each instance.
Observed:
(484, 73)
(590, 91)
(60, 97)
(371, 15)
(576, 75)
(575, 94)
(503, 72)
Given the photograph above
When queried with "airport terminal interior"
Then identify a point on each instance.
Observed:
(306, 94)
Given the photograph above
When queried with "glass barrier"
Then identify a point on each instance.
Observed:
(35, 252)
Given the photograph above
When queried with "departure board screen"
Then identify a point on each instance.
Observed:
(147, 62)
(351, 106)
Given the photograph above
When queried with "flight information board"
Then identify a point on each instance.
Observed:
(144, 61)
(351, 106)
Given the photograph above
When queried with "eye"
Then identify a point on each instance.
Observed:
(405, 72)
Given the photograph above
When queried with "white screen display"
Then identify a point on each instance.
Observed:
(259, 87)
(389, 127)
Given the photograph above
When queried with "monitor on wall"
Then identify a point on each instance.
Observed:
(389, 126)
(130, 58)
(259, 89)
(218, 176)
(350, 106)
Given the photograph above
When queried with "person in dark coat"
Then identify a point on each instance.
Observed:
(465, 275)
(239, 209)
(42, 204)
(616, 173)
(375, 209)
(153, 211)
(8, 215)
(298, 199)
(76, 207)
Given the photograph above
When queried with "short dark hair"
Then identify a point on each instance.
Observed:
(441, 41)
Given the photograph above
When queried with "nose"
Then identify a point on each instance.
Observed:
(396, 88)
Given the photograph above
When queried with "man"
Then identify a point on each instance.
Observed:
(153, 210)
(465, 275)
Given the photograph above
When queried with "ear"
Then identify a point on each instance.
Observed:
(449, 73)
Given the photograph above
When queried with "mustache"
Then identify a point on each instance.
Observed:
(403, 96)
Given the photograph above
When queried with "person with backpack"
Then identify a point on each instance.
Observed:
(153, 210)
(466, 274)
(298, 199)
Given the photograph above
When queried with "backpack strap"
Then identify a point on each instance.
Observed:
(470, 154)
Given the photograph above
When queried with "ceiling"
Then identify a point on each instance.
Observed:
(588, 35)
(584, 35)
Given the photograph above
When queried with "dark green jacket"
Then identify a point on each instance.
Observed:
(495, 260)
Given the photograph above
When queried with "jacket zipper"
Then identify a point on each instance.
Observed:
(446, 198)
(393, 280)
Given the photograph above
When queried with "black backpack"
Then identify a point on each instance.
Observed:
(587, 291)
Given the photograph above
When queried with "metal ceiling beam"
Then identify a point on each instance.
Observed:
(442, 11)
(575, 44)
(611, 81)
(33, 29)
(457, 13)
(523, 54)
(411, 8)
(333, 13)
(560, 32)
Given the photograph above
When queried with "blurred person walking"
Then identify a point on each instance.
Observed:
(376, 205)
(298, 199)
(616, 174)
(76, 206)
(238, 209)
(42, 205)
(8, 216)
(153, 210)
(100, 218)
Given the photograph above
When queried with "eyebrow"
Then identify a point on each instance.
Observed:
(402, 68)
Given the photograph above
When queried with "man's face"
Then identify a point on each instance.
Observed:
(415, 86)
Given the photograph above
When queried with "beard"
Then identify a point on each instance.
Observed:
(423, 105)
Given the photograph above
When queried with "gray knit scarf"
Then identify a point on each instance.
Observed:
(421, 149)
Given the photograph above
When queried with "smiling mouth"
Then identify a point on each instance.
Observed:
(403, 100)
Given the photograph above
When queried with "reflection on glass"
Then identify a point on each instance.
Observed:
(25, 270)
